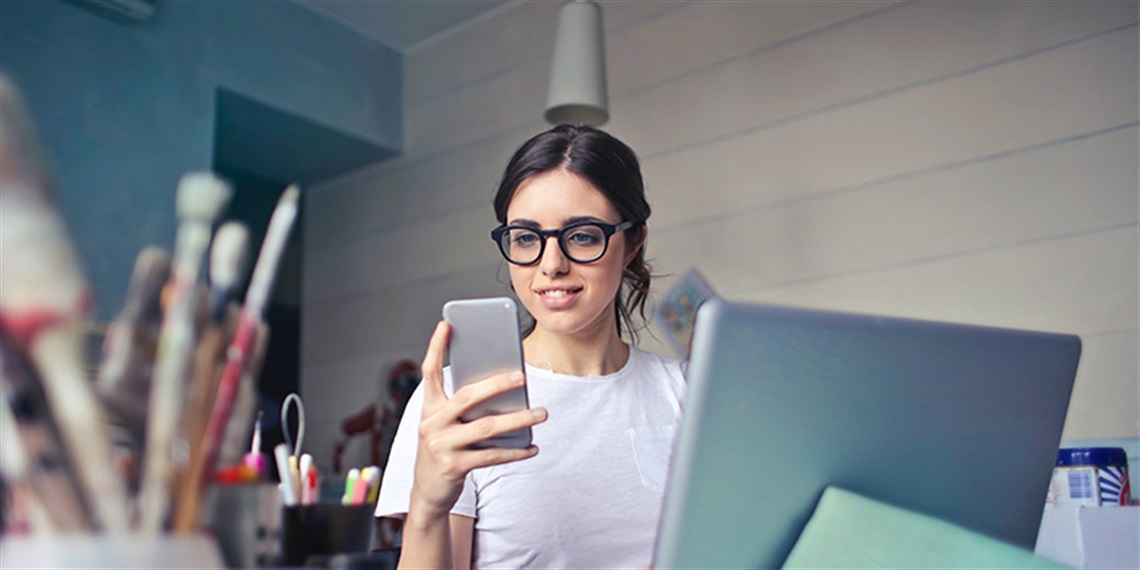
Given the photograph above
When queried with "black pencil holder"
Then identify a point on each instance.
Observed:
(324, 529)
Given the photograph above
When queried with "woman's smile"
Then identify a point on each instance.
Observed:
(558, 297)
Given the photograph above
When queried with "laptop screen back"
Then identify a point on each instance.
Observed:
(954, 421)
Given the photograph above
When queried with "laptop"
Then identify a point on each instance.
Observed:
(954, 421)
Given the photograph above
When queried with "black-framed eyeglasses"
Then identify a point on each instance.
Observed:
(582, 242)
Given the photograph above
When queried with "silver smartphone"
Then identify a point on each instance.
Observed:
(485, 341)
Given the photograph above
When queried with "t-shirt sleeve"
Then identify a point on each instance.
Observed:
(399, 472)
(396, 483)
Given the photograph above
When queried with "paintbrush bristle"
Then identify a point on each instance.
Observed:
(291, 195)
(41, 270)
(151, 271)
(21, 155)
(227, 255)
(201, 196)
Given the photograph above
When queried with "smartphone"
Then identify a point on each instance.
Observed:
(485, 341)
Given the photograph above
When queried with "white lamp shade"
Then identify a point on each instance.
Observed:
(577, 93)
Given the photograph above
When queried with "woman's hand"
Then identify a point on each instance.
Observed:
(445, 455)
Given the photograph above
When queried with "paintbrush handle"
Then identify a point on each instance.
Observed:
(168, 388)
(276, 236)
(56, 353)
(129, 346)
(33, 463)
(203, 462)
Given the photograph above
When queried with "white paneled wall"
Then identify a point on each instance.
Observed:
(963, 161)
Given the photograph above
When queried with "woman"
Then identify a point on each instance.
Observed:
(573, 211)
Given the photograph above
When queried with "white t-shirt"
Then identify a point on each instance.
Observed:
(592, 496)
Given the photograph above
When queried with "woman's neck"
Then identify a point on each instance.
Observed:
(592, 355)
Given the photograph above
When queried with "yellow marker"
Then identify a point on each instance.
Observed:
(374, 485)
(295, 476)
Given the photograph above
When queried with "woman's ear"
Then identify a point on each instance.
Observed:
(635, 246)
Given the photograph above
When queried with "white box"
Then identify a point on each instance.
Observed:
(1091, 537)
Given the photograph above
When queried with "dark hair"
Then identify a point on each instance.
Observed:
(608, 165)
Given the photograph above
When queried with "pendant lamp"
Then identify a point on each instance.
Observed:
(577, 93)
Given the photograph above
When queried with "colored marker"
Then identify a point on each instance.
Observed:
(350, 486)
(287, 487)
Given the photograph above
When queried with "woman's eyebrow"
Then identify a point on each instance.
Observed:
(577, 219)
(571, 220)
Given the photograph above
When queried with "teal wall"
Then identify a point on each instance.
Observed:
(124, 109)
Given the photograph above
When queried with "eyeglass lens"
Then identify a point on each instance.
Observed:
(583, 243)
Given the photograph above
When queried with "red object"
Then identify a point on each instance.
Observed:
(24, 325)
(376, 420)
(236, 475)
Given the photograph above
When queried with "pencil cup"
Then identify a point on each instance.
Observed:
(324, 529)
(245, 519)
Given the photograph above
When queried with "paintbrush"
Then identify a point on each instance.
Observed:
(129, 347)
(201, 198)
(234, 443)
(209, 360)
(42, 281)
(44, 300)
(24, 511)
(227, 262)
(123, 382)
(245, 337)
(45, 488)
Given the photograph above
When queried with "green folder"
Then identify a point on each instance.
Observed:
(851, 531)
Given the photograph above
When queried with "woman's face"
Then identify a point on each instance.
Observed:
(566, 297)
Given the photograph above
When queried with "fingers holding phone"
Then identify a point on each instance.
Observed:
(454, 447)
(445, 428)
(449, 448)
(432, 369)
(492, 427)
(481, 337)
(487, 420)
